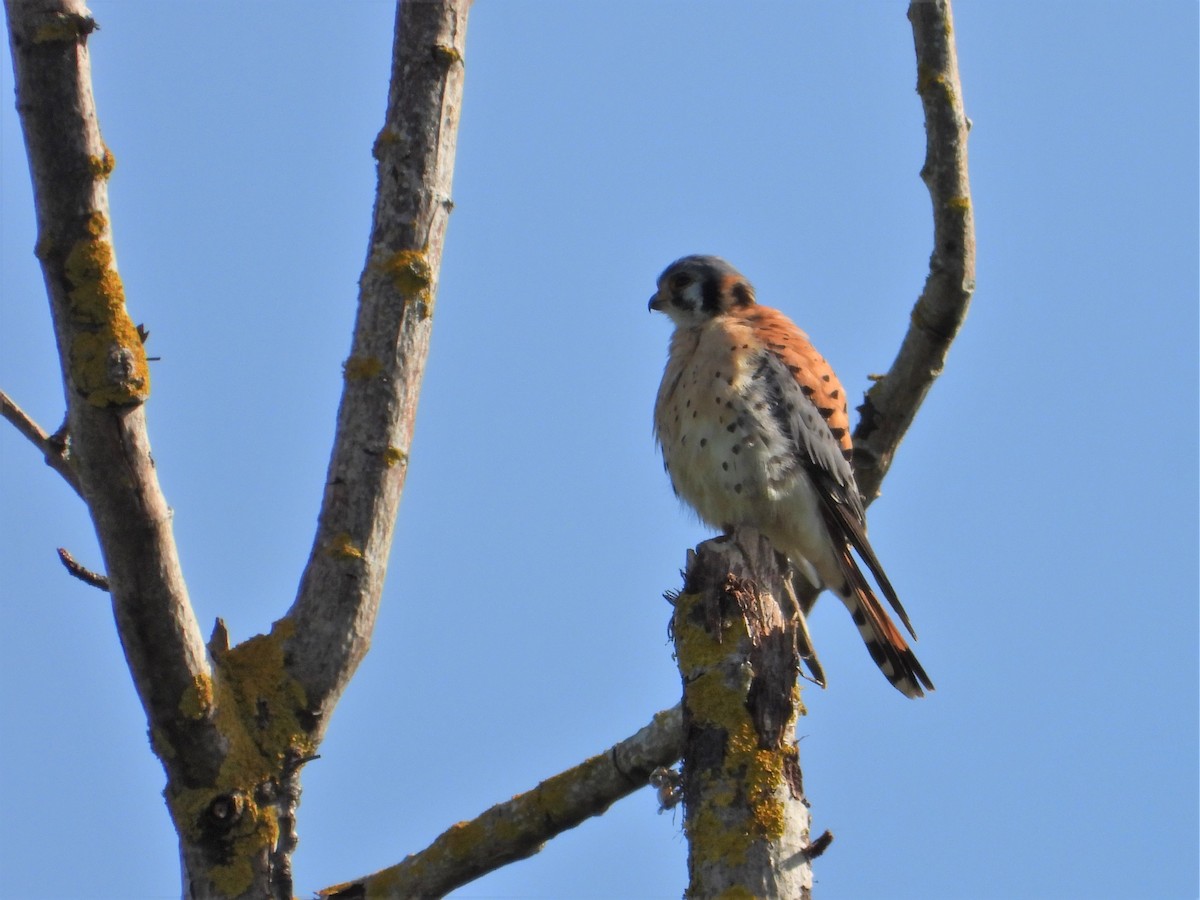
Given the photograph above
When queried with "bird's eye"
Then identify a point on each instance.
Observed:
(680, 281)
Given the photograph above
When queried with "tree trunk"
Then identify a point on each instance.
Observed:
(736, 641)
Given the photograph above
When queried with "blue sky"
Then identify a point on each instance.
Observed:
(1039, 522)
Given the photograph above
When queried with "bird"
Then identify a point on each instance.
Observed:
(754, 431)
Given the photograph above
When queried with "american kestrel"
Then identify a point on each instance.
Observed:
(753, 428)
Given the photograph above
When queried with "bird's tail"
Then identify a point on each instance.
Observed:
(883, 639)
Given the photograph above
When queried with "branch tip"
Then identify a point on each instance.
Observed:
(819, 846)
(84, 574)
(53, 447)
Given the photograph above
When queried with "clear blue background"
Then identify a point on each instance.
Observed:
(1040, 520)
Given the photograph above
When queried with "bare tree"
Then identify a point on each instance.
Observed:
(234, 725)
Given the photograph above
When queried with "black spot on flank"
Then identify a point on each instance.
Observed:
(693, 413)
(731, 427)
(795, 370)
(838, 433)
(683, 440)
(689, 403)
(859, 618)
(703, 442)
(825, 412)
(808, 392)
(737, 448)
(791, 408)
(725, 466)
(834, 394)
(737, 488)
(824, 377)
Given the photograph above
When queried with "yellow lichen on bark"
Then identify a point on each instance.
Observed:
(197, 700)
(102, 166)
(63, 28)
(343, 546)
(106, 359)
(697, 648)
(412, 277)
(360, 368)
(409, 270)
(743, 793)
(257, 707)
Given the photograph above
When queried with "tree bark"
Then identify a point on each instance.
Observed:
(334, 611)
(105, 377)
(520, 827)
(736, 644)
(890, 406)
(234, 726)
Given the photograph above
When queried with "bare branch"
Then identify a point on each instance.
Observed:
(891, 404)
(104, 369)
(53, 450)
(519, 827)
(339, 593)
(84, 574)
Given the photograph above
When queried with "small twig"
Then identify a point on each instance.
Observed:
(84, 574)
(819, 846)
(53, 448)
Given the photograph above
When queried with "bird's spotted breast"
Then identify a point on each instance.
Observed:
(721, 446)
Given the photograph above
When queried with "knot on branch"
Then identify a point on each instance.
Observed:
(62, 28)
(223, 814)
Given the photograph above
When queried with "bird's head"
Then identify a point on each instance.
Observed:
(694, 289)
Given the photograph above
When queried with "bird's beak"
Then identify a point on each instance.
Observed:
(656, 302)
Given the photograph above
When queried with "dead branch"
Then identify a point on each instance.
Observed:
(53, 450)
(518, 828)
(103, 367)
(334, 611)
(78, 570)
(890, 405)
(745, 815)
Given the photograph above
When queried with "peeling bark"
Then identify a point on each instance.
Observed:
(745, 815)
